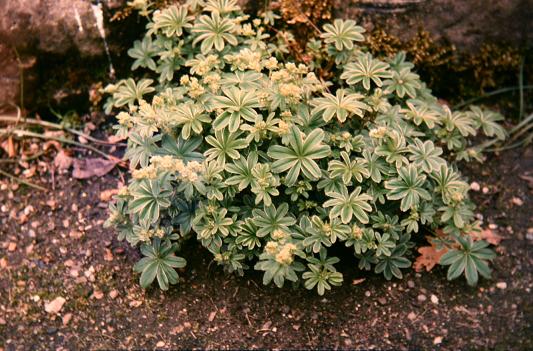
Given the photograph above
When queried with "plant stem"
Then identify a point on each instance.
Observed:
(25, 133)
(22, 181)
(492, 93)
(57, 126)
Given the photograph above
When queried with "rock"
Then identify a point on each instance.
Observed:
(517, 201)
(113, 294)
(55, 306)
(66, 318)
(382, 300)
(59, 40)
(434, 299)
(501, 285)
(421, 298)
(410, 284)
(474, 186)
(437, 340)
(160, 344)
(465, 24)
(411, 316)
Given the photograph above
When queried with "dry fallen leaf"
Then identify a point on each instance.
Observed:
(106, 195)
(429, 257)
(489, 235)
(358, 281)
(92, 167)
(55, 305)
(62, 160)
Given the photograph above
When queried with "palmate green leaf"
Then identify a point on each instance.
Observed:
(460, 121)
(403, 82)
(224, 145)
(377, 167)
(129, 92)
(448, 183)
(408, 187)
(236, 104)
(271, 218)
(347, 205)
(140, 149)
(221, 6)
(264, 184)
(322, 273)
(366, 69)
(149, 197)
(300, 155)
(242, 170)
(247, 235)
(172, 20)
(420, 112)
(488, 122)
(214, 31)
(183, 149)
(425, 155)
(342, 33)
(142, 52)
(393, 149)
(246, 81)
(278, 272)
(391, 265)
(349, 169)
(471, 259)
(190, 117)
(341, 105)
(159, 262)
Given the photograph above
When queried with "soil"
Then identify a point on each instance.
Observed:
(52, 244)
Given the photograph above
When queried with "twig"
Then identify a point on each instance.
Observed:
(59, 126)
(25, 133)
(22, 181)
(492, 93)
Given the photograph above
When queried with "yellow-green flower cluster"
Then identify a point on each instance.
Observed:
(245, 59)
(189, 172)
(147, 234)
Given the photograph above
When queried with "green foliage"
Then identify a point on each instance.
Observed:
(269, 166)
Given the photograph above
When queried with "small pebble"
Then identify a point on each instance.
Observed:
(485, 190)
(410, 284)
(382, 300)
(411, 316)
(160, 344)
(437, 340)
(517, 201)
(422, 298)
(501, 285)
(367, 293)
(434, 299)
(475, 186)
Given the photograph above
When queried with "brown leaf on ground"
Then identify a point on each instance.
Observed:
(9, 147)
(92, 167)
(55, 305)
(429, 257)
(489, 235)
(52, 143)
(62, 160)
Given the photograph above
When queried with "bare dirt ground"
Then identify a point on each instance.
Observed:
(52, 244)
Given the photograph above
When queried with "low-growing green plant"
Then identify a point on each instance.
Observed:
(269, 166)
